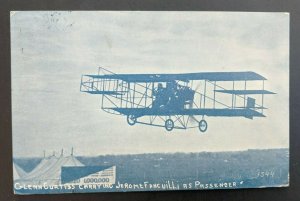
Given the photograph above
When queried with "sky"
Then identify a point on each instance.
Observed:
(50, 50)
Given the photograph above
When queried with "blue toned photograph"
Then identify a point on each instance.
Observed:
(118, 101)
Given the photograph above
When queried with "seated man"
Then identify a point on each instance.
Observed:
(161, 98)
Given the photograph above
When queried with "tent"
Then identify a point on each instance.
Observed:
(49, 170)
(42, 167)
(18, 172)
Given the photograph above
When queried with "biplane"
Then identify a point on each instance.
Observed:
(178, 101)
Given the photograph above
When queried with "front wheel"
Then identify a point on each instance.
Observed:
(131, 119)
(169, 124)
(202, 125)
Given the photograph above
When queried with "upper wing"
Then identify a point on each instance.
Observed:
(211, 76)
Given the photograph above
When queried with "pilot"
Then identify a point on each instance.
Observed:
(171, 93)
(160, 88)
(160, 96)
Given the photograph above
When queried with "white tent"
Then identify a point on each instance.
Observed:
(42, 167)
(49, 170)
(18, 172)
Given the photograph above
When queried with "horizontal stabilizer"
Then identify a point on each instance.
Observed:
(245, 92)
(103, 92)
(255, 108)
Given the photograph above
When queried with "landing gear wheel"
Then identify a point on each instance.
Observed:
(169, 124)
(202, 125)
(131, 119)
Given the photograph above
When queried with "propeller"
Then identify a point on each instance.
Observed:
(197, 86)
(191, 105)
(192, 117)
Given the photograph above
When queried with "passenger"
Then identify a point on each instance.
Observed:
(160, 96)
(171, 92)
